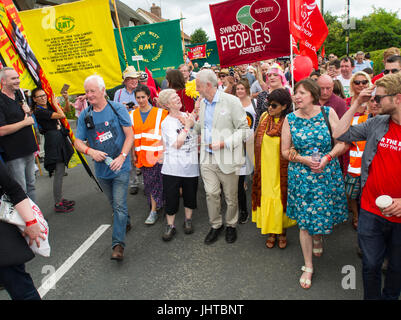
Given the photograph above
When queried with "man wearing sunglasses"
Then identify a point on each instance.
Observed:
(379, 230)
(388, 54)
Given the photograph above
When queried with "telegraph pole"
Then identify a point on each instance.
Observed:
(348, 28)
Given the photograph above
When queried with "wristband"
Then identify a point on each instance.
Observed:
(329, 157)
(86, 150)
(123, 154)
(29, 223)
(185, 130)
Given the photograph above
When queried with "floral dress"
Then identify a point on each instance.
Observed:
(316, 201)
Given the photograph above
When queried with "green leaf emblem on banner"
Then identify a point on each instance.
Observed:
(65, 24)
(244, 16)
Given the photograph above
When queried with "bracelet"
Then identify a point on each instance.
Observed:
(329, 157)
(185, 130)
(29, 223)
(86, 150)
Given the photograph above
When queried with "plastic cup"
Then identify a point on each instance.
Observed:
(383, 202)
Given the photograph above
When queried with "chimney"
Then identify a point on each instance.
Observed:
(156, 10)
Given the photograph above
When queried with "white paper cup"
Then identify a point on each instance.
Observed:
(383, 202)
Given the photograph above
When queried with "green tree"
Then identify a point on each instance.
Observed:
(199, 36)
(379, 30)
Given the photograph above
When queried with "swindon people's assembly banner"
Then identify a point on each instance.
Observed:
(250, 30)
(211, 54)
(156, 46)
(73, 41)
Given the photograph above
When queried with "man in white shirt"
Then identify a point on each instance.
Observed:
(346, 66)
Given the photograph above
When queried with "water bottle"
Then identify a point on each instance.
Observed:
(316, 155)
(108, 161)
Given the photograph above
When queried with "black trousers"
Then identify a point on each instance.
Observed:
(18, 283)
(242, 195)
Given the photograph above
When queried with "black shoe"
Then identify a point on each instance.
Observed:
(231, 234)
(243, 217)
(188, 228)
(213, 235)
(169, 233)
(133, 190)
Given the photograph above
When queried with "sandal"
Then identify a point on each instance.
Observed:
(282, 241)
(271, 241)
(318, 251)
(304, 281)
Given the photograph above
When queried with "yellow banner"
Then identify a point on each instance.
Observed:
(73, 41)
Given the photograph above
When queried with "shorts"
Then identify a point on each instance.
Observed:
(352, 186)
(171, 189)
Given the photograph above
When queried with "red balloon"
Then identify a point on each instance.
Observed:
(303, 67)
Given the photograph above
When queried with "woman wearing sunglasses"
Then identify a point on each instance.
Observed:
(359, 81)
(269, 189)
(58, 150)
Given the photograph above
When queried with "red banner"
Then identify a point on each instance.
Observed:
(198, 52)
(248, 30)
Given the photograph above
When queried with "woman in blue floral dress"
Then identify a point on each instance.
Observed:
(316, 194)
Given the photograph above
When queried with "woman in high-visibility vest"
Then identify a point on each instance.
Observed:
(359, 81)
(148, 148)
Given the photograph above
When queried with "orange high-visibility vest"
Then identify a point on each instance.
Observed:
(356, 150)
(148, 136)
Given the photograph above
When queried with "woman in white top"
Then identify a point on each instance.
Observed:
(180, 163)
(243, 92)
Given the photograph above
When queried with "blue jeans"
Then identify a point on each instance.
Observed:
(116, 190)
(379, 238)
(23, 171)
(18, 283)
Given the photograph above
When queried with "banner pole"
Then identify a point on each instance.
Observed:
(121, 36)
(182, 37)
(291, 52)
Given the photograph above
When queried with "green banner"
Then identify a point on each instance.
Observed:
(212, 55)
(158, 43)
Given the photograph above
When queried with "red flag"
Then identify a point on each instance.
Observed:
(307, 23)
(323, 52)
(306, 51)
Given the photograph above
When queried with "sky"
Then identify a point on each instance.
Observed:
(197, 14)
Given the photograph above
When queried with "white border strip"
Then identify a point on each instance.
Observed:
(54, 278)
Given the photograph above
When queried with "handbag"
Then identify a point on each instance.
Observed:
(14, 250)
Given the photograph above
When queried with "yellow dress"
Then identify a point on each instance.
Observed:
(269, 217)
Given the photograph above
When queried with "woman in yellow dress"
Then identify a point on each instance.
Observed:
(269, 189)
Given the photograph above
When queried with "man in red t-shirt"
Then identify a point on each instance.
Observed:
(379, 232)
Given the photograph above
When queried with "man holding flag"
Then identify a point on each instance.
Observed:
(17, 138)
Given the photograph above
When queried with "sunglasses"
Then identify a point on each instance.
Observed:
(378, 98)
(390, 71)
(358, 82)
(222, 76)
(273, 105)
(42, 96)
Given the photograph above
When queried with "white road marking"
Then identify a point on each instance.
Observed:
(51, 281)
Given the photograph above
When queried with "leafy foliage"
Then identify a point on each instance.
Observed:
(379, 30)
(199, 36)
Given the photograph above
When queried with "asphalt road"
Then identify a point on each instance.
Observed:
(185, 268)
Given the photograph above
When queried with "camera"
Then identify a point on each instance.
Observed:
(89, 119)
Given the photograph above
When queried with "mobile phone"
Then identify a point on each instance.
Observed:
(65, 88)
